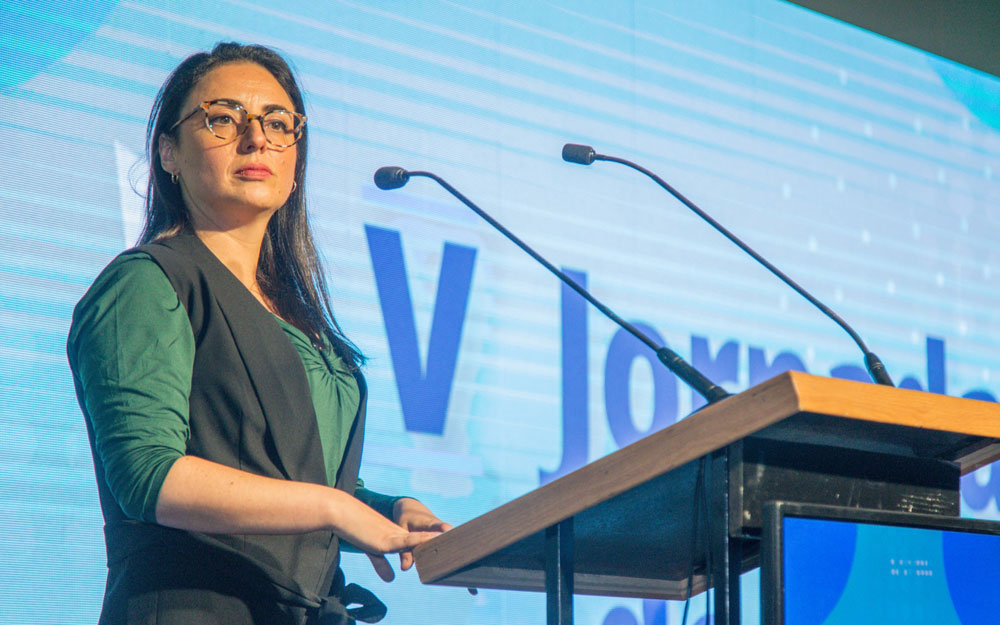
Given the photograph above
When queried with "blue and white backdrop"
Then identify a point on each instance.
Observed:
(868, 170)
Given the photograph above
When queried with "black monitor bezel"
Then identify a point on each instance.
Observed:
(771, 574)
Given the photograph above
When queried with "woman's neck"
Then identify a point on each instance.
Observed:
(239, 251)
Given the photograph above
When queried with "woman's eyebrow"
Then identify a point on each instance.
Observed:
(267, 107)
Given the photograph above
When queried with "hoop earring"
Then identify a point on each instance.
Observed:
(295, 185)
(174, 178)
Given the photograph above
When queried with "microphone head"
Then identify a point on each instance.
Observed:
(391, 177)
(579, 154)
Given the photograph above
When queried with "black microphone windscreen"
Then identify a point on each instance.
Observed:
(391, 177)
(580, 154)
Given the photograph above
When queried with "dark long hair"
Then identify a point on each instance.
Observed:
(289, 271)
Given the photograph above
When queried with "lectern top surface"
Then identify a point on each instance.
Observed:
(793, 406)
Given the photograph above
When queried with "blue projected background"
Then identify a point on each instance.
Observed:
(842, 573)
(866, 169)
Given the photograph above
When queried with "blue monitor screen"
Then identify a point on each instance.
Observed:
(845, 572)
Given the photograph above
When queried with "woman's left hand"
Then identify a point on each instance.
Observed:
(412, 516)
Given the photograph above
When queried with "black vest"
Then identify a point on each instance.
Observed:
(250, 409)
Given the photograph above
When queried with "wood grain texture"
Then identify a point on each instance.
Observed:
(883, 404)
(712, 428)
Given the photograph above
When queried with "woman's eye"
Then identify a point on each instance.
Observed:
(277, 124)
(220, 120)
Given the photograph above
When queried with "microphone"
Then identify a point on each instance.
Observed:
(579, 154)
(395, 177)
(391, 177)
(585, 155)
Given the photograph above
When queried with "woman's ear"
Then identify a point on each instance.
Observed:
(168, 157)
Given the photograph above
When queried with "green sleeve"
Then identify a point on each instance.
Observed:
(383, 504)
(131, 349)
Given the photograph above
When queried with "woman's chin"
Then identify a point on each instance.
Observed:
(255, 204)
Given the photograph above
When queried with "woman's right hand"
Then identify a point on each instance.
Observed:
(371, 532)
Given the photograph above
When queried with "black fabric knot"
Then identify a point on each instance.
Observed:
(335, 609)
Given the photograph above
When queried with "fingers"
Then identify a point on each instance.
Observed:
(403, 545)
(405, 561)
(412, 539)
(400, 542)
(415, 516)
(383, 568)
(432, 524)
(424, 523)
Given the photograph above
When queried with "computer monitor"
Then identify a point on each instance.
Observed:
(825, 565)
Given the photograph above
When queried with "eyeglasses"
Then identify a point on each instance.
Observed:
(227, 120)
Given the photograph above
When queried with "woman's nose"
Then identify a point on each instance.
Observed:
(253, 138)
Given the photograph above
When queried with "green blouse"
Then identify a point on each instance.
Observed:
(132, 350)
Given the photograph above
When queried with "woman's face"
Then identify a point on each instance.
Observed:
(226, 184)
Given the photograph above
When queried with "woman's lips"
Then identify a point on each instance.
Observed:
(257, 172)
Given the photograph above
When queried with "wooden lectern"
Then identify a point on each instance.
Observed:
(630, 524)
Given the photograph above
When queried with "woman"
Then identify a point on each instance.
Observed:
(224, 406)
